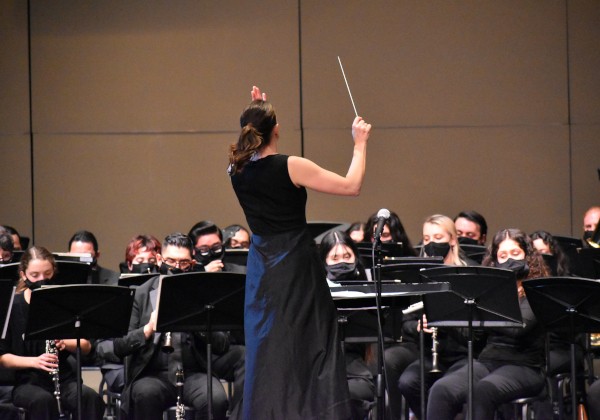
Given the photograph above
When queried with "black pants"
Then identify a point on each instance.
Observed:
(152, 394)
(397, 358)
(410, 381)
(492, 387)
(41, 404)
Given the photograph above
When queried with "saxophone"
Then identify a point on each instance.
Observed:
(51, 349)
(179, 407)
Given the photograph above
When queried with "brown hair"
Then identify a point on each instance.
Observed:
(257, 122)
(33, 253)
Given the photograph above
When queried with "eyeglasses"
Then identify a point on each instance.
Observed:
(183, 264)
(205, 250)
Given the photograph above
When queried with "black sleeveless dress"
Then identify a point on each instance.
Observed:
(294, 364)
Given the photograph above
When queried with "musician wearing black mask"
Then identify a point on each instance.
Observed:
(34, 360)
(85, 242)
(510, 365)
(591, 218)
(140, 254)
(471, 228)
(151, 372)
(209, 251)
(340, 256)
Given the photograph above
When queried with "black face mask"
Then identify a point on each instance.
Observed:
(463, 240)
(168, 270)
(588, 235)
(342, 271)
(143, 268)
(519, 267)
(32, 285)
(437, 249)
(206, 257)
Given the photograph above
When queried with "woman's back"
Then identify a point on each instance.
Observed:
(271, 202)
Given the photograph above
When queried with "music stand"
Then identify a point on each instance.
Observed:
(570, 247)
(71, 272)
(479, 297)
(77, 311)
(201, 302)
(7, 293)
(474, 252)
(589, 263)
(10, 271)
(566, 304)
(388, 250)
(135, 280)
(236, 256)
(357, 318)
(406, 269)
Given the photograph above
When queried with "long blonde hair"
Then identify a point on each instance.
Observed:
(447, 224)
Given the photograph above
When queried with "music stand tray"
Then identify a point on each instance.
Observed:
(71, 272)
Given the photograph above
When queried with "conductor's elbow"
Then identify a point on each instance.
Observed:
(354, 192)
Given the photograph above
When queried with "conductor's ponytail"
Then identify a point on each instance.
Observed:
(257, 122)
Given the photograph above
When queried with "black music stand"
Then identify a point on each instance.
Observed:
(589, 263)
(10, 271)
(135, 280)
(78, 311)
(479, 297)
(566, 304)
(7, 293)
(388, 250)
(406, 269)
(236, 256)
(71, 272)
(201, 302)
(474, 252)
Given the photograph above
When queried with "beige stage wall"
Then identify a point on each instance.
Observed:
(486, 105)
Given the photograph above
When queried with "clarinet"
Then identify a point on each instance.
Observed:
(167, 346)
(179, 407)
(51, 349)
(434, 351)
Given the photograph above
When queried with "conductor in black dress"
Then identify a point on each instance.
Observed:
(294, 364)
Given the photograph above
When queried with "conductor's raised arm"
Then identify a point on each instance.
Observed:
(306, 173)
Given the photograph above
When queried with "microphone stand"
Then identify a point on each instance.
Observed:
(380, 381)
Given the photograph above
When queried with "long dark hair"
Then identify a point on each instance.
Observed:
(257, 122)
(396, 230)
(338, 237)
(562, 260)
(537, 266)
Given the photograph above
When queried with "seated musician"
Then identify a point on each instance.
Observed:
(209, 249)
(393, 231)
(340, 255)
(18, 243)
(36, 363)
(591, 218)
(6, 248)
(440, 239)
(85, 242)
(236, 237)
(471, 228)
(140, 254)
(510, 365)
(151, 372)
(357, 231)
(140, 258)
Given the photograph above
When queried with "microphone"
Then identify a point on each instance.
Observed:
(382, 216)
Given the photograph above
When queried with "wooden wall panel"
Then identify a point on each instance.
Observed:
(148, 66)
(515, 177)
(15, 187)
(435, 63)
